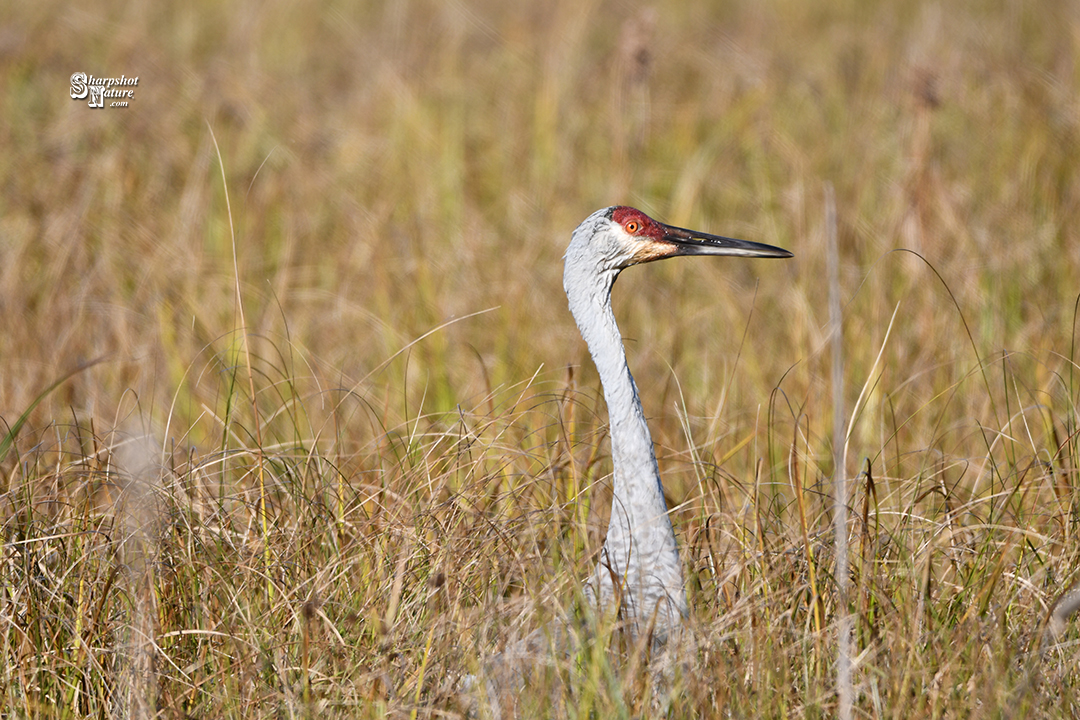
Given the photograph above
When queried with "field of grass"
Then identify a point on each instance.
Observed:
(296, 422)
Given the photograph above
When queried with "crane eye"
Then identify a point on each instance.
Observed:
(632, 227)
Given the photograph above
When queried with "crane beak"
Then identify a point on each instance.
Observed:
(680, 241)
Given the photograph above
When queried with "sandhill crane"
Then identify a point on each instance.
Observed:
(639, 572)
(639, 553)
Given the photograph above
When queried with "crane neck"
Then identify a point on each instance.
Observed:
(640, 545)
(631, 442)
(630, 437)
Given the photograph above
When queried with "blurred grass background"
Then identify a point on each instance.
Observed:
(329, 509)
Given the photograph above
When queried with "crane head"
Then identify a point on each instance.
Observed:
(645, 240)
(614, 238)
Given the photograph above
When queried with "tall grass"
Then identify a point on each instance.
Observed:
(397, 460)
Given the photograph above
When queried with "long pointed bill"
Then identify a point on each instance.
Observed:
(679, 241)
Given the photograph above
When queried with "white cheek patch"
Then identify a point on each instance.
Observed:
(648, 250)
